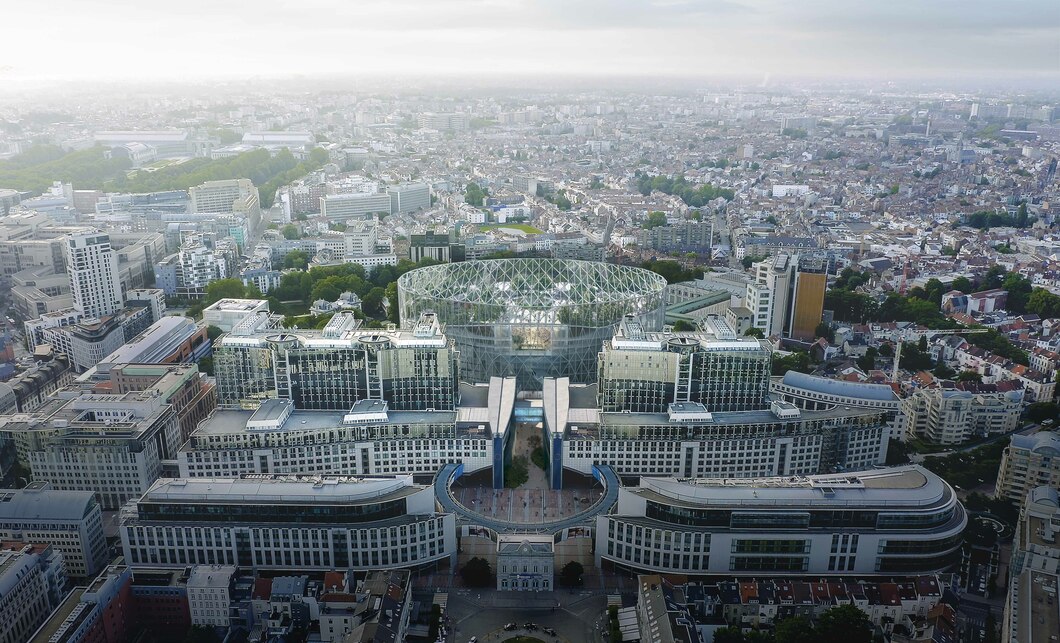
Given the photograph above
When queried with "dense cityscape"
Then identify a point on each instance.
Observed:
(662, 361)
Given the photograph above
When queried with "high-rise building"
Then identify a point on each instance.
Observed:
(807, 304)
(775, 275)
(1029, 461)
(92, 265)
(71, 521)
(279, 522)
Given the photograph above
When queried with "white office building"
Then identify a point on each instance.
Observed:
(409, 197)
(904, 520)
(92, 265)
(360, 205)
(26, 599)
(71, 521)
(288, 522)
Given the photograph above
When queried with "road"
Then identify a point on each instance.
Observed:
(1027, 430)
(484, 614)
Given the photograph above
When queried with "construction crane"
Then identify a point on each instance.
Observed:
(915, 333)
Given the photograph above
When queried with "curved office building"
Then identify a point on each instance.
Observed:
(899, 521)
(531, 318)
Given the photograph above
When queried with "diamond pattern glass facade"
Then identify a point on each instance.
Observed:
(531, 318)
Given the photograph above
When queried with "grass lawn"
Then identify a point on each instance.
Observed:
(528, 229)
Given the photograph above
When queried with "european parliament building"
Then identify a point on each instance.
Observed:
(688, 413)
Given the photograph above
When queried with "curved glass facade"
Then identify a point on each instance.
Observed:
(531, 318)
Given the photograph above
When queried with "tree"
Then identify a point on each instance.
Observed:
(824, 330)
(755, 332)
(683, 326)
(1019, 292)
(213, 332)
(886, 350)
(844, 624)
(296, 259)
(201, 634)
(224, 289)
(867, 362)
(290, 232)
(474, 195)
(728, 634)
(206, 365)
(795, 630)
(571, 574)
(796, 361)
(963, 284)
(477, 573)
(1041, 411)
(993, 277)
(372, 302)
(655, 220)
(969, 376)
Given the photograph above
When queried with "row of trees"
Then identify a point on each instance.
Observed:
(985, 219)
(840, 624)
(695, 196)
(268, 172)
(35, 169)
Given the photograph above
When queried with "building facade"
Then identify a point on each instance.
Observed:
(903, 520)
(71, 521)
(278, 522)
(1029, 461)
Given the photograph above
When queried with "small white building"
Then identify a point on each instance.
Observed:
(210, 594)
(525, 563)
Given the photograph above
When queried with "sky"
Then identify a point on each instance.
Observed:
(190, 40)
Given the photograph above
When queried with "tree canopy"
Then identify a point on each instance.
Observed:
(695, 196)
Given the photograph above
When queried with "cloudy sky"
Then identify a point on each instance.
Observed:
(198, 39)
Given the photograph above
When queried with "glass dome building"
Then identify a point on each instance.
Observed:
(531, 318)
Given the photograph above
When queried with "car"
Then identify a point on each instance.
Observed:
(529, 626)
(473, 639)
(510, 627)
(549, 631)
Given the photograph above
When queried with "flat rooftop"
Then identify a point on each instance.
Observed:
(233, 422)
(269, 489)
(908, 486)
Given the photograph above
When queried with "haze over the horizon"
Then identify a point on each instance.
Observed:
(200, 39)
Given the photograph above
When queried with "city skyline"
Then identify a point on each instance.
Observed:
(967, 41)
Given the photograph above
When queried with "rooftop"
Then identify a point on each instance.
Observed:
(266, 488)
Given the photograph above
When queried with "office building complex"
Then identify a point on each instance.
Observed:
(332, 369)
(786, 297)
(444, 121)
(812, 393)
(368, 439)
(531, 318)
(112, 445)
(70, 521)
(92, 265)
(265, 521)
(645, 372)
(1029, 461)
(904, 520)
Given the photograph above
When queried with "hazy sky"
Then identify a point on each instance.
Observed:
(192, 39)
